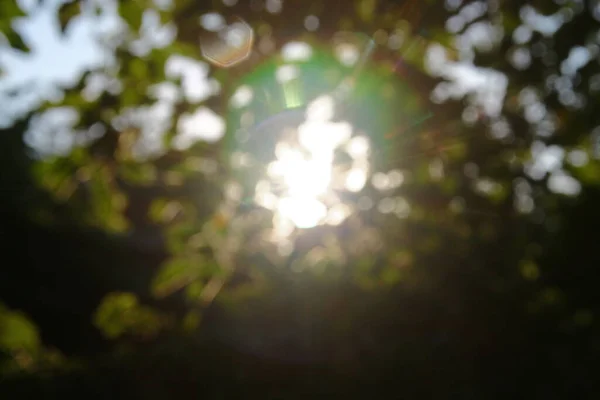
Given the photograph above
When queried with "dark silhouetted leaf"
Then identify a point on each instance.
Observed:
(67, 12)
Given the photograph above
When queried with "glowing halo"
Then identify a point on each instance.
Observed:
(297, 115)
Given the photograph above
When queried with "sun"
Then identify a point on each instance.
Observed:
(305, 173)
(305, 180)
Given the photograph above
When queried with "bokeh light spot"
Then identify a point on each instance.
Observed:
(311, 23)
(296, 51)
(304, 212)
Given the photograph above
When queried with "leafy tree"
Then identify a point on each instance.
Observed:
(464, 267)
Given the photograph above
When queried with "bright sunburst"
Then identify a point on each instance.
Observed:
(306, 172)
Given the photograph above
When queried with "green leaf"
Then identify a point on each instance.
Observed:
(67, 12)
(176, 274)
(589, 173)
(130, 97)
(9, 10)
(110, 314)
(17, 332)
(106, 205)
(120, 313)
(132, 13)
(194, 290)
(139, 69)
(164, 211)
(179, 234)
(15, 41)
(138, 173)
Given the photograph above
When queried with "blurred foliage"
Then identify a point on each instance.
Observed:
(18, 333)
(484, 265)
(120, 313)
(10, 12)
(21, 347)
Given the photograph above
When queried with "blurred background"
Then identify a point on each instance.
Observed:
(282, 199)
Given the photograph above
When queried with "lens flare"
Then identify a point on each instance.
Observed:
(229, 45)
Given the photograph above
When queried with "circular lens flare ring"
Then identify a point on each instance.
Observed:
(230, 45)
